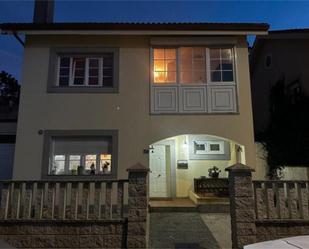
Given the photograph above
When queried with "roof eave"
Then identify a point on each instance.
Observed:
(136, 32)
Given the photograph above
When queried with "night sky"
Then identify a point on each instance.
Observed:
(279, 14)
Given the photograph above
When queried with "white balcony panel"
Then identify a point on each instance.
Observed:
(165, 100)
(192, 99)
(222, 99)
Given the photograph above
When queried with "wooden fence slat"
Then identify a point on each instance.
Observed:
(69, 213)
(292, 201)
(120, 200)
(260, 201)
(103, 201)
(23, 201)
(108, 201)
(303, 200)
(97, 201)
(5, 196)
(271, 201)
(91, 214)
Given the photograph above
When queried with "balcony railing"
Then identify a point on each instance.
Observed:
(63, 200)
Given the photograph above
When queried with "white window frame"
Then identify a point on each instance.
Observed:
(209, 81)
(179, 63)
(82, 162)
(86, 77)
(207, 67)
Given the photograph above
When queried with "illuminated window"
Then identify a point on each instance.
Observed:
(74, 162)
(164, 65)
(58, 165)
(221, 65)
(106, 163)
(80, 155)
(192, 65)
(90, 160)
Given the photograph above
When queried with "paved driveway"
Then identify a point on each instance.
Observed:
(180, 231)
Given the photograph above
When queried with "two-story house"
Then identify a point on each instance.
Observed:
(99, 97)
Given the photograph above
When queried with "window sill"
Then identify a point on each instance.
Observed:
(79, 177)
(82, 90)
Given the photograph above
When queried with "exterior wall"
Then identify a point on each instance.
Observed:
(270, 230)
(255, 216)
(196, 168)
(290, 57)
(128, 111)
(289, 172)
(70, 234)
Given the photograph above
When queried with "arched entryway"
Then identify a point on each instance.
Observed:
(176, 161)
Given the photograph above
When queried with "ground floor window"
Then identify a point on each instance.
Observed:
(80, 155)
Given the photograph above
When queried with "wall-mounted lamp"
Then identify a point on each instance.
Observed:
(146, 151)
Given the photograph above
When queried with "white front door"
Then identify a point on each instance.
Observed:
(158, 179)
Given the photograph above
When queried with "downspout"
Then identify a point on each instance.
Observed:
(19, 39)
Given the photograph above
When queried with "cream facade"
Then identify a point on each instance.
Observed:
(127, 110)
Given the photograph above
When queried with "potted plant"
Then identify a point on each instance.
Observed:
(74, 171)
(214, 172)
(105, 167)
(80, 170)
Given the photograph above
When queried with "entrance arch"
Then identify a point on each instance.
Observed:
(176, 161)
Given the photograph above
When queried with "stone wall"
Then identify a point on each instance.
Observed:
(257, 217)
(64, 234)
(21, 229)
(276, 229)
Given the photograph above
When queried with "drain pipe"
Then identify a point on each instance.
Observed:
(19, 39)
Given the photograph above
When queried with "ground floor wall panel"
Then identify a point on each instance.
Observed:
(63, 234)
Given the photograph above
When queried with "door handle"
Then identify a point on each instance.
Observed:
(159, 175)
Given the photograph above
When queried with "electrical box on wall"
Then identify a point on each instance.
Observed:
(182, 164)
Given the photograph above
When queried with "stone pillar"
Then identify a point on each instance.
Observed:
(242, 208)
(138, 206)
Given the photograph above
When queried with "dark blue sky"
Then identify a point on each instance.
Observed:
(279, 14)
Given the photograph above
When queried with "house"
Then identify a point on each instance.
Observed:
(8, 124)
(98, 97)
(9, 95)
(279, 56)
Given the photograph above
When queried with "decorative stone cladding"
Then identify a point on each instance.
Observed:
(64, 234)
(74, 215)
(266, 210)
(276, 229)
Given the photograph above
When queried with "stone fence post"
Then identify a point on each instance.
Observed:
(138, 206)
(242, 208)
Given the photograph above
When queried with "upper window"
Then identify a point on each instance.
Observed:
(221, 65)
(85, 71)
(192, 65)
(196, 65)
(164, 65)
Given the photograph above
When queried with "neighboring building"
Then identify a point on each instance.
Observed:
(282, 54)
(173, 96)
(8, 124)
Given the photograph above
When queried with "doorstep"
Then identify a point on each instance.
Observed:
(202, 205)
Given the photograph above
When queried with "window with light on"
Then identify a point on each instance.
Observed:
(193, 65)
(80, 156)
